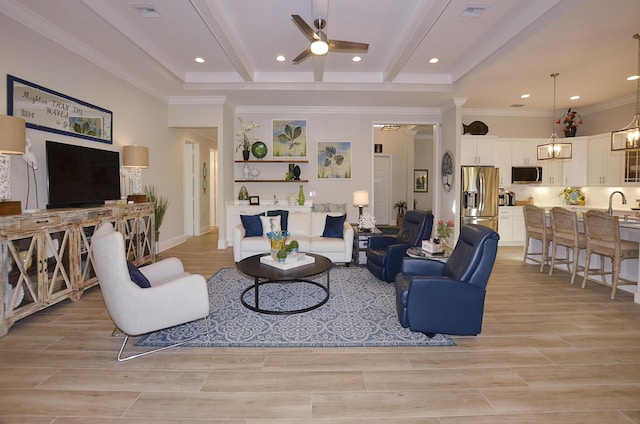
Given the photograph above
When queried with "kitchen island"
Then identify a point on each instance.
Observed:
(629, 269)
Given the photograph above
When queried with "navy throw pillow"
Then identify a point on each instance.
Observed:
(333, 226)
(284, 217)
(252, 225)
(137, 276)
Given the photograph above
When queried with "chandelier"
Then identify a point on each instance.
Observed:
(628, 138)
(553, 149)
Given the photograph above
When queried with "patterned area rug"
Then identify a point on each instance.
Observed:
(361, 311)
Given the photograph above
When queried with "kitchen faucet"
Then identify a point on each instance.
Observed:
(624, 201)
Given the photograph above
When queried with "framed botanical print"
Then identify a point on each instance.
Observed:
(334, 159)
(289, 137)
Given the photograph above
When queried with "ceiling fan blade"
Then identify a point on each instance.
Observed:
(302, 56)
(304, 27)
(348, 45)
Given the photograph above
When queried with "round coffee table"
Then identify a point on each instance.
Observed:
(272, 275)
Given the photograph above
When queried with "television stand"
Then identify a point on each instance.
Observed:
(47, 255)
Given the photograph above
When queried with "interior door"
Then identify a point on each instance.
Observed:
(382, 189)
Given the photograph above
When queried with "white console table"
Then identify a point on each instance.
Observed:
(47, 256)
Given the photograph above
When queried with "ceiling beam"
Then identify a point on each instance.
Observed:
(409, 42)
(211, 12)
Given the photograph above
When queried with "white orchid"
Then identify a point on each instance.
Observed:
(247, 138)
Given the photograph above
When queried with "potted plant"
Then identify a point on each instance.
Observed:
(246, 137)
(160, 206)
(401, 206)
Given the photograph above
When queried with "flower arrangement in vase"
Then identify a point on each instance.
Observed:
(443, 230)
(366, 221)
(246, 137)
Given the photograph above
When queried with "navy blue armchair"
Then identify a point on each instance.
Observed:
(434, 297)
(385, 253)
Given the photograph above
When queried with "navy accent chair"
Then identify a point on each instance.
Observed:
(385, 253)
(434, 297)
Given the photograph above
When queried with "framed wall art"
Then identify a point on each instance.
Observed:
(334, 159)
(289, 138)
(420, 180)
(47, 110)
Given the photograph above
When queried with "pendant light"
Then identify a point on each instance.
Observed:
(628, 138)
(553, 149)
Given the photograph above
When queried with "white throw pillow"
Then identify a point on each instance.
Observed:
(270, 223)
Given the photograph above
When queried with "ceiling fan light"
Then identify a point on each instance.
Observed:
(321, 45)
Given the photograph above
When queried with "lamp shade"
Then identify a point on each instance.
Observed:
(13, 133)
(360, 198)
(135, 157)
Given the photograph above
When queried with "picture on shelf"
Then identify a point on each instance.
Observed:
(289, 138)
(254, 200)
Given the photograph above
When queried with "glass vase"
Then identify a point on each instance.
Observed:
(278, 241)
(301, 196)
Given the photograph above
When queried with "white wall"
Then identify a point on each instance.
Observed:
(137, 117)
(329, 124)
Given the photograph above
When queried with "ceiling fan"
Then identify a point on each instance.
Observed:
(320, 44)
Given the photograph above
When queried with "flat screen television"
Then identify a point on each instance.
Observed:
(81, 176)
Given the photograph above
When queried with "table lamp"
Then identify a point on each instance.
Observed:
(360, 199)
(136, 158)
(13, 133)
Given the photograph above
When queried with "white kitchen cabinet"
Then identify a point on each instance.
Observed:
(503, 162)
(552, 172)
(574, 169)
(525, 152)
(478, 150)
(511, 225)
(605, 166)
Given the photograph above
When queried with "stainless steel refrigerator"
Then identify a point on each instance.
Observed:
(479, 203)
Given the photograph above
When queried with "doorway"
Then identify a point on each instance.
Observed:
(191, 205)
(382, 189)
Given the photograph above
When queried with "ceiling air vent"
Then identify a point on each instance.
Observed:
(146, 10)
(474, 10)
(517, 105)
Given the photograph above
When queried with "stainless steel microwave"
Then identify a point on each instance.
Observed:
(526, 174)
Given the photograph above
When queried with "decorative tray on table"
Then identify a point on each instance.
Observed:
(293, 260)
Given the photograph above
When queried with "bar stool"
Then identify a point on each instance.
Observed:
(535, 223)
(603, 238)
(564, 224)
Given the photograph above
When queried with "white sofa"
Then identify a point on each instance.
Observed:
(306, 229)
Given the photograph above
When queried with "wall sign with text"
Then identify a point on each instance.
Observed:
(47, 110)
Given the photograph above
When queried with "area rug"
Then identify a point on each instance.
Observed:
(360, 312)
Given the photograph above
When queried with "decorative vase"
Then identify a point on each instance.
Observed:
(245, 154)
(278, 241)
(243, 194)
(301, 196)
(246, 171)
(254, 173)
(290, 173)
(296, 172)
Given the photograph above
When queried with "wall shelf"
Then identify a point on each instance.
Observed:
(271, 181)
(272, 161)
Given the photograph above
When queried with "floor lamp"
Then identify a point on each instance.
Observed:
(136, 158)
(13, 134)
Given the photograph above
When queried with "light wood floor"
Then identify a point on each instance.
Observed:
(549, 352)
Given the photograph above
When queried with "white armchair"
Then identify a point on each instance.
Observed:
(175, 296)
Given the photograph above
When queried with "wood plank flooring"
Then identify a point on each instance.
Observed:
(549, 352)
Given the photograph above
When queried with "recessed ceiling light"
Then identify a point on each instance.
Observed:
(280, 58)
(199, 60)
(356, 59)
(434, 60)
(574, 97)
(525, 96)
(633, 77)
